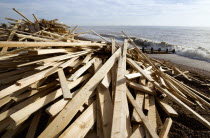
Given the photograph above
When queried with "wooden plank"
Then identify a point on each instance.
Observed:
(33, 107)
(139, 101)
(81, 126)
(68, 62)
(87, 58)
(58, 106)
(33, 37)
(183, 105)
(119, 114)
(182, 73)
(64, 85)
(138, 68)
(81, 70)
(46, 44)
(46, 51)
(21, 105)
(106, 109)
(152, 113)
(34, 124)
(141, 88)
(167, 108)
(107, 80)
(65, 116)
(27, 81)
(145, 120)
(54, 109)
(113, 72)
(99, 126)
(166, 127)
(133, 75)
(138, 133)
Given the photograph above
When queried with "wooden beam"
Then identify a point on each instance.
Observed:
(22, 15)
(167, 108)
(86, 59)
(141, 88)
(152, 113)
(138, 68)
(81, 126)
(81, 70)
(119, 114)
(166, 127)
(65, 116)
(64, 85)
(46, 44)
(27, 81)
(68, 62)
(46, 51)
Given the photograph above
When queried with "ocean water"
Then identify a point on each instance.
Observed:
(192, 42)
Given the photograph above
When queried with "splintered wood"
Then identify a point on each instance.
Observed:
(59, 86)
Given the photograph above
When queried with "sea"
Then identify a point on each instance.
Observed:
(191, 42)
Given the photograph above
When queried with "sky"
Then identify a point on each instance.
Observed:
(113, 12)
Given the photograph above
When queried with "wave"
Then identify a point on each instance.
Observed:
(199, 53)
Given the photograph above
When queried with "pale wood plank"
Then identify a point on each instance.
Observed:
(45, 44)
(167, 108)
(166, 127)
(64, 85)
(152, 113)
(86, 59)
(46, 51)
(138, 133)
(119, 113)
(27, 81)
(80, 71)
(81, 126)
(141, 88)
(107, 80)
(68, 63)
(65, 116)
(138, 68)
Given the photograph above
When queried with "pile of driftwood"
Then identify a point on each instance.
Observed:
(81, 88)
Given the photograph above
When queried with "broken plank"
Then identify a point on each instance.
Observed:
(167, 108)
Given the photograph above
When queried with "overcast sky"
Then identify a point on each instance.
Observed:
(113, 12)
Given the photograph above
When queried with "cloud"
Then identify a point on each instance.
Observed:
(109, 12)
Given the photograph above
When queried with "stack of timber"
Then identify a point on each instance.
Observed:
(81, 88)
